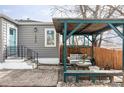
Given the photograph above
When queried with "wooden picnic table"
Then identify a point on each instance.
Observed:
(83, 65)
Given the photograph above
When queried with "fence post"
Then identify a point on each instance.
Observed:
(93, 40)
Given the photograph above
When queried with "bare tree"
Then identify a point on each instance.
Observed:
(90, 11)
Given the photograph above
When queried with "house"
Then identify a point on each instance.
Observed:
(38, 36)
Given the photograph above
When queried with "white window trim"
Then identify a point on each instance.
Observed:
(46, 29)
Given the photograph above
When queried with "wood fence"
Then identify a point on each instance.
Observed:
(103, 57)
(75, 50)
(110, 57)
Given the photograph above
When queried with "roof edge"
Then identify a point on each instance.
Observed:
(24, 23)
(35, 23)
(8, 18)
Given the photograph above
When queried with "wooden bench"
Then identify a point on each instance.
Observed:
(92, 73)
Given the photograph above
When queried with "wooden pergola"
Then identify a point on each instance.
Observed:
(68, 27)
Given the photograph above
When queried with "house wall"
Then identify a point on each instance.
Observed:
(5, 25)
(26, 37)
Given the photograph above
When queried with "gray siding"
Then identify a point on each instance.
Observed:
(4, 29)
(1, 55)
(6, 25)
(4, 34)
(26, 38)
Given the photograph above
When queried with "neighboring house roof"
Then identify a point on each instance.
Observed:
(35, 23)
(25, 22)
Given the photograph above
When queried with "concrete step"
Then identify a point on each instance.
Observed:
(17, 60)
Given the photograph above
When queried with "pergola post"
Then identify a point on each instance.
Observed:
(88, 40)
(62, 49)
(73, 40)
(64, 45)
(122, 36)
(123, 53)
(93, 40)
(84, 41)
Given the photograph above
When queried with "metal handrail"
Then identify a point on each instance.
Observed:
(22, 52)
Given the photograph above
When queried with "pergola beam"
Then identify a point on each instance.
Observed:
(88, 38)
(74, 30)
(116, 30)
(84, 28)
(88, 21)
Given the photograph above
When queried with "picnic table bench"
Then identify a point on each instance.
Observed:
(92, 73)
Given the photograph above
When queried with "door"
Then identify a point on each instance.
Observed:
(12, 41)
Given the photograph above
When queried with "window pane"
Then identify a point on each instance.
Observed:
(50, 37)
(11, 32)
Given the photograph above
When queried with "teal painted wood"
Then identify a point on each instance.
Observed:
(73, 40)
(74, 30)
(109, 22)
(93, 79)
(123, 50)
(91, 73)
(88, 40)
(116, 30)
(65, 79)
(84, 41)
(93, 39)
(80, 46)
(77, 78)
(64, 49)
(115, 21)
(12, 41)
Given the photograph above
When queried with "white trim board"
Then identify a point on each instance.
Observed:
(49, 60)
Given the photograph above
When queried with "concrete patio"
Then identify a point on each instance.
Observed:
(29, 78)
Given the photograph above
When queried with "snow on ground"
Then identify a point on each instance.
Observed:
(15, 64)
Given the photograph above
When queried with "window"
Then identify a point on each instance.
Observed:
(11, 31)
(50, 37)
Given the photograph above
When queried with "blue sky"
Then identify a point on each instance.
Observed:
(36, 12)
